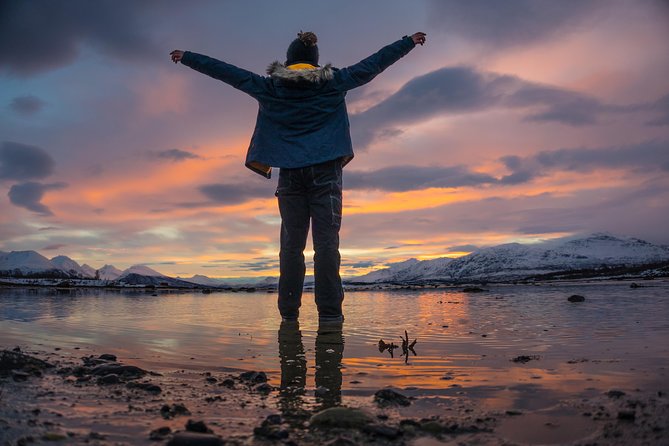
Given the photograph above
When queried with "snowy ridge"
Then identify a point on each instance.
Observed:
(517, 261)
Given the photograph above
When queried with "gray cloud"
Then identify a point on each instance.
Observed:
(54, 247)
(176, 155)
(229, 194)
(661, 107)
(404, 178)
(39, 35)
(458, 90)
(29, 196)
(26, 105)
(648, 156)
(509, 22)
(24, 162)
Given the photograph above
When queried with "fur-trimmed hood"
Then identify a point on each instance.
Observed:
(277, 70)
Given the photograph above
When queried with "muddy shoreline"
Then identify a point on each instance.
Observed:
(54, 396)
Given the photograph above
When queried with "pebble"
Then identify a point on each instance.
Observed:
(197, 426)
(253, 376)
(576, 298)
(160, 433)
(341, 417)
(111, 378)
(108, 357)
(389, 397)
(194, 439)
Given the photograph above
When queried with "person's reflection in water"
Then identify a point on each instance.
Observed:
(329, 355)
(293, 369)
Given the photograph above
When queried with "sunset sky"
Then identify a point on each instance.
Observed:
(519, 120)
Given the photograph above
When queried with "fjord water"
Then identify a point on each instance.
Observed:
(618, 338)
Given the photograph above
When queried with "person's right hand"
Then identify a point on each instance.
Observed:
(418, 38)
(177, 55)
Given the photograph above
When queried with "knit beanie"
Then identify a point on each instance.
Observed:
(303, 49)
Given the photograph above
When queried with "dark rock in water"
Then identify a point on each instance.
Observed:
(341, 417)
(626, 415)
(149, 387)
(432, 427)
(227, 382)
(174, 410)
(15, 360)
(19, 376)
(273, 419)
(111, 378)
(388, 397)
(379, 430)
(124, 371)
(263, 388)
(576, 298)
(473, 289)
(197, 426)
(108, 357)
(194, 439)
(615, 394)
(211, 380)
(522, 359)
(270, 432)
(160, 433)
(341, 441)
(253, 377)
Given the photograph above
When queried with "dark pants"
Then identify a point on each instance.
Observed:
(310, 194)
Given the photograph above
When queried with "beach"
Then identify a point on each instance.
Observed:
(511, 364)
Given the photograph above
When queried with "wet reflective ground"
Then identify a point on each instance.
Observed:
(618, 338)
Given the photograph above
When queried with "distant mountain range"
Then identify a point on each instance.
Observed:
(596, 254)
(590, 255)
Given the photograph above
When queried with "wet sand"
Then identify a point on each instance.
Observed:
(547, 371)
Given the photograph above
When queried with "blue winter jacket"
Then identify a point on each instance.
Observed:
(302, 118)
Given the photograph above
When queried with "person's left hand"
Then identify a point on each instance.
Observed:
(177, 55)
(418, 38)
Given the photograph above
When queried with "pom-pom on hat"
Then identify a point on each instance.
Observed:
(303, 49)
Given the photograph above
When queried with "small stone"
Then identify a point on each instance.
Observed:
(253, 376)
(53, 436)
(19, 376)
(197, 426)
(341, 441)
(194, 439)
(211, 379)
(522, 359)
(228, 382)
(126, 371)
(263, 388)
(380, 430)
(576, 298)
(626, 415)
(273, 419)
(615, 394)
(111, 378)
(108, 357)
(160, 433)
(432, 427)
(341, 417)
(388, 397)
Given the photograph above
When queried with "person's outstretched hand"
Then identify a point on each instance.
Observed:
(418, 38)
(177, 55)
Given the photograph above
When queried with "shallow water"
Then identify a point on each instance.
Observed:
(617, 338)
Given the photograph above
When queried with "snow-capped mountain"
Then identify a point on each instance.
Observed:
(141, 270)
(71, 267)
(109, 272)
(515, 260)
(26, 261)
